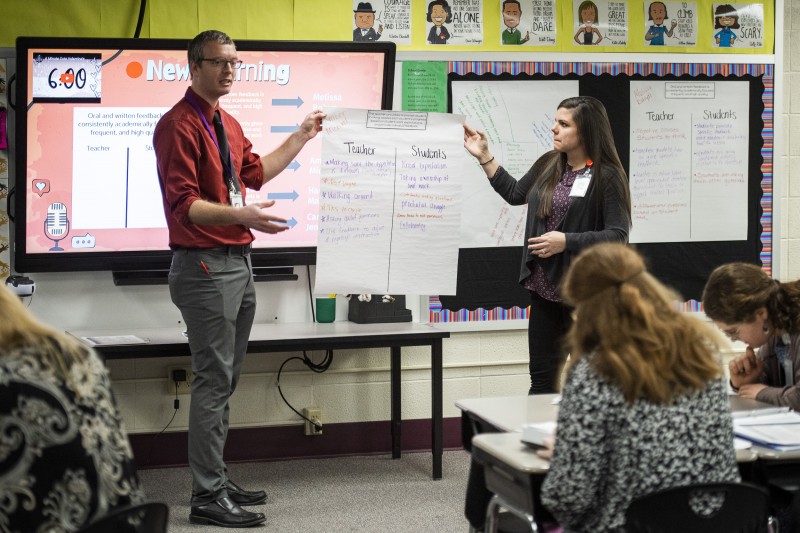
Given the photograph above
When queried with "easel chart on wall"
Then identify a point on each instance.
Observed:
(688, 160)
(519, 126)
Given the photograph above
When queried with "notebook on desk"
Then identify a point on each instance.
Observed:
(779, 431)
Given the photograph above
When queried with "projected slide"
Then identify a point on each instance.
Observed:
(90, 121)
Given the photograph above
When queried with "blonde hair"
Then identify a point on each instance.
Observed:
(19, 328)
(629, 321)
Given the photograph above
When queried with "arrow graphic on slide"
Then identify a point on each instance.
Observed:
(283, 196)
(284, 129)
(291, 222)
(288, 101)
(294, 165)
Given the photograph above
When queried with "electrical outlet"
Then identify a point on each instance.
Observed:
(315, 415)
(184, 385)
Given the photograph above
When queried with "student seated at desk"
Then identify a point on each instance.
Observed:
(64, 458)
(644, 407)
(748, 305)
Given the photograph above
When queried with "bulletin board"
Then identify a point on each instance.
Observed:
(488, 285)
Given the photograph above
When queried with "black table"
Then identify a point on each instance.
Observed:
(170, 342)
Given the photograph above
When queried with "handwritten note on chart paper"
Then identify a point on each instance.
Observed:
(390, 202)
(688, 160)
(516, 116)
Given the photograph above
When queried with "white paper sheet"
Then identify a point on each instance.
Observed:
(390, 202)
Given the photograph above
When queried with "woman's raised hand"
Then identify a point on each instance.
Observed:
(476, 143)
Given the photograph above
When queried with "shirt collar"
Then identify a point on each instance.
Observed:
(207, 110)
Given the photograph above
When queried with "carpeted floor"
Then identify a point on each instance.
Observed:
(366, 494)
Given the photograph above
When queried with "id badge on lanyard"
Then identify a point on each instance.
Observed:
(229, 175)
(581, 183)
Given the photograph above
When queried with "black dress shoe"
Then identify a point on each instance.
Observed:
(226, 513)
(245, 497)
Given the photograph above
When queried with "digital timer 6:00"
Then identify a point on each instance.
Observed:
(63, 78)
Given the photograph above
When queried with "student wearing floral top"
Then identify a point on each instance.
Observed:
(65, 459)
(644, 407)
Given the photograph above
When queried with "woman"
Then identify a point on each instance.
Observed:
(748, 305)
(65, 459)
(577, 195)
(587, 24)
(644, 407)
(440, 13)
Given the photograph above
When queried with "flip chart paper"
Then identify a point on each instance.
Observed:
(688, 160)
(390, 202)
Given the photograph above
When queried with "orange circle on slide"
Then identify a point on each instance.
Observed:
(134, 69)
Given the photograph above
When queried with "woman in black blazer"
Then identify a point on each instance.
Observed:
(577, 195)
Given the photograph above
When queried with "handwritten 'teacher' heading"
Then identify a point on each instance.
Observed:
(416, 151)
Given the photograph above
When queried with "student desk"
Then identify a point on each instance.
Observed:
(513, 471)
(170, 342)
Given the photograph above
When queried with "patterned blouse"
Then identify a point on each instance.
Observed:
(537, 282)
(608, 452)
(64, 457)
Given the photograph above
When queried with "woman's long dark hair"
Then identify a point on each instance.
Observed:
(595, 133)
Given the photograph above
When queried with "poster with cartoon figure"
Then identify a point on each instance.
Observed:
(670, 23)
(598, 22)
(738, 26)
(660, 28)
(528, 22)
(455, 22)
(365, 22)
(387, 20)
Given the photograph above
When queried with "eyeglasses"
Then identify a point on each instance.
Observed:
(220, 62)
(732, 333)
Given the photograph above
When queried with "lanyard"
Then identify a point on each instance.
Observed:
(230, 180)
(785, 366)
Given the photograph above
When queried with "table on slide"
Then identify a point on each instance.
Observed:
(271, 338)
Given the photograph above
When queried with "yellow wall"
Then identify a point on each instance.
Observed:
(306, 20)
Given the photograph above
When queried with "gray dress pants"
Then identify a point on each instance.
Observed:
(215, 294)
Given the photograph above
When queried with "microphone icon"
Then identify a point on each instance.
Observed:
(56, 225)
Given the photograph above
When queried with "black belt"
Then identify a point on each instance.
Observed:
(239, 249)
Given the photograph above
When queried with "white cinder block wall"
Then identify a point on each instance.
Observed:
(355, 389)
(790, 200)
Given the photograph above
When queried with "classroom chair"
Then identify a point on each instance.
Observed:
(736, 508)
(149, 517)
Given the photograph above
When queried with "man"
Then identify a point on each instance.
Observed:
(655, 34)
(512, 12)
(365, 19)
(203, 171)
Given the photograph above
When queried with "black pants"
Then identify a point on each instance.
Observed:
(547, 326)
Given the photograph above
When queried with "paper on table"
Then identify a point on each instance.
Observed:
(534, 433)
(760, 412)
(114, 340)
(768, 419)
(780, 431)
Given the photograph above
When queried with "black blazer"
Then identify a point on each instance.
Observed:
(585, 223)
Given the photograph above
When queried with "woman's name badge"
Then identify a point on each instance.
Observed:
(579, 186)
(236, 199)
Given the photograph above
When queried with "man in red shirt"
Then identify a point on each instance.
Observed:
(204, 172)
